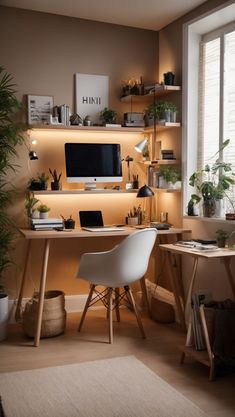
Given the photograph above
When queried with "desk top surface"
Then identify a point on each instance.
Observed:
(220, 253)
(79, 233)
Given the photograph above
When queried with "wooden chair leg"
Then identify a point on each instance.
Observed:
(110, 309)
(117, 292)
(132, 301)
(86, 307)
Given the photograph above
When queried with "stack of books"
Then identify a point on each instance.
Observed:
(47, 224)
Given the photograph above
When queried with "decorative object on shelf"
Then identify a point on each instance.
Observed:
(134, 119)
(91, 95)
(221, 237)
(213, 182)
(192, 208)
(171, 176)
(68, 223)
(55, 185)
(61, 114)
(76, 120)
(39, 109)
(87, 120)
(43, 210)
(143, 147)
(169, 78)
(128, 159)
(145, 192)
(135, 182)
(133, 87)
(108, 116)
(11, 138)
(230, 216)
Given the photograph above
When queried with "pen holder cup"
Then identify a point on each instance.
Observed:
(69, 224)
(132, 221)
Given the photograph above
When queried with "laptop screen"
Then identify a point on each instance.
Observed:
(91, 218)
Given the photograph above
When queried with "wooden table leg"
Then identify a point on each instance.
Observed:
(190, 290)
(227, 262)
(176, 292)
(19, 301)
(42, 292)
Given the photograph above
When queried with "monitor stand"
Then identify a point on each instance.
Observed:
(90, 186)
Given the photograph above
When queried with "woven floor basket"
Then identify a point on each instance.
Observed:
(53, 316)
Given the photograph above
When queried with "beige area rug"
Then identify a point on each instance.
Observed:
(119, 387)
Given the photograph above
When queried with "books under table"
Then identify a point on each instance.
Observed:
(46, 224)
(199, 298)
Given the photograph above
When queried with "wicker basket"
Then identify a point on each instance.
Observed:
(53, 316)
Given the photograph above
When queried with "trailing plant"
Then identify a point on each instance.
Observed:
(11, 135)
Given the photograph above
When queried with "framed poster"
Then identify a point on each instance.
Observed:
(91, 95)
(39, 109)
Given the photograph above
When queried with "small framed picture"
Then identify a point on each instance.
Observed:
(39, 109)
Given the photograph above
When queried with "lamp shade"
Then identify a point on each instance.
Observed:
(32, 155)
(140, 147)
(145, 191)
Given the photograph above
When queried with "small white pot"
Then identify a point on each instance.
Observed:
(4, 312)
(44, 215)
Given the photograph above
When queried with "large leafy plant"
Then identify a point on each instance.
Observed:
(213, 181)
(11, 135)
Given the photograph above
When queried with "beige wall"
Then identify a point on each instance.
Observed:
(43, 52)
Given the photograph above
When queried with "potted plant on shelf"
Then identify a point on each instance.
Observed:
(159, 112)
(221, 236)
(212, 184)
(43, 210)
(170, 177)
(39, 183)
(108, 116)
(55, 184)
(11, 136)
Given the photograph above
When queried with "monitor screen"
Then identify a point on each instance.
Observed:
(93, 162)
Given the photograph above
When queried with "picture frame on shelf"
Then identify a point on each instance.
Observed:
(39, 109)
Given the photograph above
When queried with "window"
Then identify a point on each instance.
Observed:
(217, 97)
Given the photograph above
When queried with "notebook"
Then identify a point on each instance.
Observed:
(92, 220)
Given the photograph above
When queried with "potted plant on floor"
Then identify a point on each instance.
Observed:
(212, 183)
(11, 135)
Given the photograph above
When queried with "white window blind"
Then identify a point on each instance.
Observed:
(217, 99)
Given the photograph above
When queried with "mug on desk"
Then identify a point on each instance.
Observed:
(132, 221)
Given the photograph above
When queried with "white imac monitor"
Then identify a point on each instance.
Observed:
(90, 163)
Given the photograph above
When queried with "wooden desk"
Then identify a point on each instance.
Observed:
(47, 236)
(225, 256)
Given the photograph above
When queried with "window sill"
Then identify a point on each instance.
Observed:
(209, 219)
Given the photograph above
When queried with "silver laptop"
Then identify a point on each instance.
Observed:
(92, 220)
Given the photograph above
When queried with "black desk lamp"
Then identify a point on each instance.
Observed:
(145, 192)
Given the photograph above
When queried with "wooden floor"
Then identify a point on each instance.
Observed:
(160, 352)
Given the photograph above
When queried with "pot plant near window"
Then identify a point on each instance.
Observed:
(213, 182)
(11, 136)
(160, 111)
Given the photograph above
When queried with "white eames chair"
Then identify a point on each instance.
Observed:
(118, 267)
